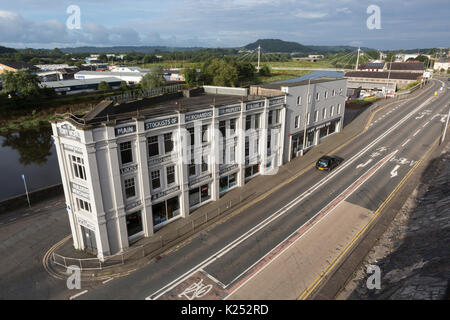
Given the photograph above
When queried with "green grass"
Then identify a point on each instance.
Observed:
(280, 75)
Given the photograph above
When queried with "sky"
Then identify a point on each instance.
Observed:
(225, 23)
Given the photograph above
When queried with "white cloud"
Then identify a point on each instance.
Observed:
(310, 14)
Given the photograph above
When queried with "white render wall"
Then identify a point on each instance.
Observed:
(104, 189)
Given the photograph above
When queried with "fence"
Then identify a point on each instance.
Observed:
(152, 244)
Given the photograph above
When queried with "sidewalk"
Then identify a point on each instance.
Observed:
(232, 203)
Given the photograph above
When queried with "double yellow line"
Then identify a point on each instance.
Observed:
(320, 278)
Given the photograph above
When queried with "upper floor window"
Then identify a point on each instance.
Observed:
(205, 133)
(339, 108)
(78, 167)
(84, 205)
(130, 190)
(308, 117)
(232, 126)
(257, 121)
(156, 181)
(191, 134)
(331, 111)
(316, 116)
(277, 116)
(324, 113)
(168, 143)
(299, 100)
(317, 96)
(126, 153)
(270, 117)
(170, 175)
(297, 121)
(248, 122)
(326, 95)
(153, 149)
(222, 128)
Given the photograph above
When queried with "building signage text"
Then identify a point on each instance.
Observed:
(80, 190)
(85, 223)
(164, 193)
(198, 180)
(160, 123)
(66, 130)
(254, 105)
(125, 130)
(276, 101)
(128, 169)
(199, 115)
(72, 149)
(227, 110)
(133, 205)
(234, 166)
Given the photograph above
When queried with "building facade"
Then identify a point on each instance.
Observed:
(314, 110)
(128, 170)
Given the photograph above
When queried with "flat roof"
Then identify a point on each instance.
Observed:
(78, 82)
(298, 83)
(111, 73)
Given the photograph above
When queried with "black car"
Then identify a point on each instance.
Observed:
(327, 163)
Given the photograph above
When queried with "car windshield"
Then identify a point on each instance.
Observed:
(323, 163)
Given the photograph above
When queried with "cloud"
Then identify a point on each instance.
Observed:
(310, 14)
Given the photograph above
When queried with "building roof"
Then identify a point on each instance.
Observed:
(413, 65)
(371, 65)
(382, 75)
(18, 65)
(78, 82)
(297, 83)
(110, 73)
(166, 104)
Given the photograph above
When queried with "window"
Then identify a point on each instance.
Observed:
(192, 167)
(299, 100)
(78, 167)
(191, 134)
(256, 146)
(153, 149)
(168, 143)
(277, 116)
(339, 108)
(134, 223)
(331, 111)
(317, 96)
(170, 175)
(248, 122)
(297, 121)
(204, 165)
(126, 154)
(326, 95)
(334, 92)
(156, 181)
(165, 210)
(247, 147)
(308, 117)
(309, 98)
(84, 205)
(205, 133)
(233, 154)
(270, 117)
(316, 116)
(222, 127)
(324, 113)
(130, 190)
(269, 138)
(232, 126)
(340, 91)
(257, 120)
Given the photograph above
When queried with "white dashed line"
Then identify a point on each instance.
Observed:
(404, 144)
(77, 295)
(425, 124)
(108, 280)
(416, 133)
(12, 219)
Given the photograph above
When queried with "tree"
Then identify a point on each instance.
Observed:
(153, 79)
(190, 76)
(22, 82)
(123, 86)
(103, 86)
(219, 72)
(264, 70)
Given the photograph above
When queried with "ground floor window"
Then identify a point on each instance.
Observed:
(323, 132)
(251, 170)
(89, 241)
(227, 182)
(134, 223)
(333, 127)
(199, 194)
(297, 145)
(165, 210)
(310, 139)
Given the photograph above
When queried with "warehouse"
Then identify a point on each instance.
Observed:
(77, 86)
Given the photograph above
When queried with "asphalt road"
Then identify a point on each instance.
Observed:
(220, 257)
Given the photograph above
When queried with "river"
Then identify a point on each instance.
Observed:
(30, 152)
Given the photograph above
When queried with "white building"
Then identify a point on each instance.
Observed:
(128, 77)
(129, 169)
(442, 63)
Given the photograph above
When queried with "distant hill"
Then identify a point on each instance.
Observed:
(277, 45)
(127, 49)
(7, 50)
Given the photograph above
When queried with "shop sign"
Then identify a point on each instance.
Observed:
(72, 149)
(133, 205)
(85, 223)
(228, 110)
(160, 123)
(128, 169)
(125, 130)
(320, 126)
(198, 115)
(80, 190)
(276, 101)
(159, 160)
(225, 170)
(254, 105)
(165, 193)
(198, 180)
(68, 131)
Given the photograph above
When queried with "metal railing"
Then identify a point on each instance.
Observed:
(152, 244)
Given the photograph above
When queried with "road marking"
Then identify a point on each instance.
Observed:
(362, 165)
(25, 214)
(416, 133)
(394, 172)
(406, 142)
(77, 295)
(280, 212)
(297, 235)
(108, 280)
(425, 124)
(310, 289)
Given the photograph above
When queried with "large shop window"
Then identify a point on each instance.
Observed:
(310, 139)
(227, 182)
(199, 195)
(251, 171)
(134, 223)
(323, 132)
(165, 210)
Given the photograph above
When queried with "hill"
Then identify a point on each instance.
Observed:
(277, 45)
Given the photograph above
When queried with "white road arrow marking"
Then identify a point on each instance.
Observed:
(421, 116)
(362, 165)
(443, 117)
(394, 172)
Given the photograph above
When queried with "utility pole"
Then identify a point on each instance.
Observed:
(259, 56)
(389, 75)
(357, 59)
(306, 118)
